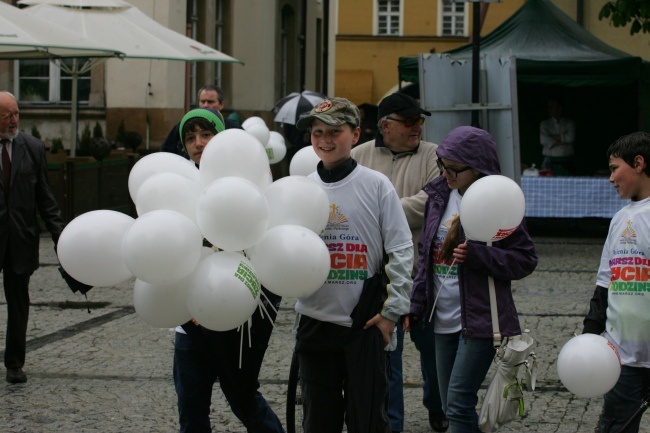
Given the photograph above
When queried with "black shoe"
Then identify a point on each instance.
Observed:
(16, 375)
(438, 422)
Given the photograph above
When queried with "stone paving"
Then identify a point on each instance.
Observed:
(108, 371)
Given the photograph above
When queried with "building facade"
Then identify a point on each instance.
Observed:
(347, 48)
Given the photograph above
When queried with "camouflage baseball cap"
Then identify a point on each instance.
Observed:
(332, 111)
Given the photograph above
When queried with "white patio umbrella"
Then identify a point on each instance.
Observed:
(123, 27)
(23, 36)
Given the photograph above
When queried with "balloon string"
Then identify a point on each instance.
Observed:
(241, 343)
(440, 289)
(250, 326)
(240, 328)
(270, 303)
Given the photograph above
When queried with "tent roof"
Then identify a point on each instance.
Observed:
(540, 31)
(545, 40)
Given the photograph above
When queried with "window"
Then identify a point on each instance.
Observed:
(453, 19)
(43, 81)
(388, 17)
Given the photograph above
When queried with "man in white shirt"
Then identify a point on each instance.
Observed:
(557, 136)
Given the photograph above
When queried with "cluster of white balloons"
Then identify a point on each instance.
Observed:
(267, 233)
(272, 141)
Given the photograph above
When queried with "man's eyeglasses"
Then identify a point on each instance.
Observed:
(408, 122)
(8, 116)
(452, 172)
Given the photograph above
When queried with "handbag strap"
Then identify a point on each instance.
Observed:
(496, 333)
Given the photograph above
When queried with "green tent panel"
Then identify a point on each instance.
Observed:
(550, 47)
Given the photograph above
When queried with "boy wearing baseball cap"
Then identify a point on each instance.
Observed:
(341, 349)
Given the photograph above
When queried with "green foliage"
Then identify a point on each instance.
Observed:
(121, 132)
(97, 131)
(85, 142)
(622, 12)
(132, 140)
(57, 144)
(35, 132)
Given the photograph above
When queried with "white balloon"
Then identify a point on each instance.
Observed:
(297, 200)
(164, 305)
(291, 260)
(492, 208)
(589, 365)
(276, 151)
(259, 131)
(159, 162)
(224, 291)
(254, 120)
(276, 136)
(304, 162)
(162, 247)
(169, 191)
(90, 248)
(232, 213)
(234, 152)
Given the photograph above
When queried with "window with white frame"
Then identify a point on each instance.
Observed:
(453, 18)
(388, 17)
(43, 81)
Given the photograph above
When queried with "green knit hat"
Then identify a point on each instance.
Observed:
(212, 116)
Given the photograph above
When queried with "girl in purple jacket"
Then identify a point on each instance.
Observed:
(456, 270)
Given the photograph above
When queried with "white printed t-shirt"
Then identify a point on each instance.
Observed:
(625, 271)
(364, 209)
(447, 316)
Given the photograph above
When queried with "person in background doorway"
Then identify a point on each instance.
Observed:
(557, 135)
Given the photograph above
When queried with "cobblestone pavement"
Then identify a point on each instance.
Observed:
(108, 371)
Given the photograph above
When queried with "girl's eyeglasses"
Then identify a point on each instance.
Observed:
(408, 122)
(452, 172)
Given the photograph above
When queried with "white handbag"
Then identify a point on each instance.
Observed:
(504, 399)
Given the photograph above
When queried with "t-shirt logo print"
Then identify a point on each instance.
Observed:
(336, 217)
(629, 234)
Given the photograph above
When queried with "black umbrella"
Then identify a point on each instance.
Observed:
(289, 108)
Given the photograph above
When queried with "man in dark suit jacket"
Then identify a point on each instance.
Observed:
(27, 192)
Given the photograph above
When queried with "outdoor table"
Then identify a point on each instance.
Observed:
(570, 197)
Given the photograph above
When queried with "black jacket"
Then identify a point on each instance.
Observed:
(29, 192)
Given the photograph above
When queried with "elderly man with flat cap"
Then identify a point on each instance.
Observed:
(410, 163)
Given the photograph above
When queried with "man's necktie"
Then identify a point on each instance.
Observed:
(6, 166)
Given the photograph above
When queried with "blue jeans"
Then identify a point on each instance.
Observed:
(462, 365)
(425, 342)
(624, 399)
(396, 384)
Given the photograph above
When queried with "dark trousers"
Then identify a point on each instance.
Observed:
(343, 377)
(17, 295)
(202, 357)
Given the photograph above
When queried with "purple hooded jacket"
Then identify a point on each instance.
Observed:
(512, 258)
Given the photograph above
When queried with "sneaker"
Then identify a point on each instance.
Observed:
(16, 375)
(438, 422)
